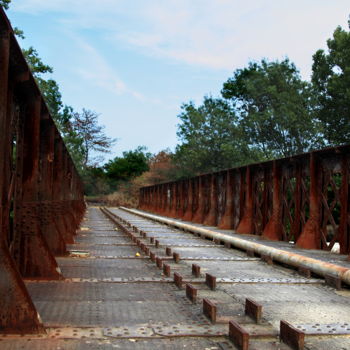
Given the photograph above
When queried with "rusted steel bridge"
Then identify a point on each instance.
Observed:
(239, 259)
(304, 199)
(40, 191)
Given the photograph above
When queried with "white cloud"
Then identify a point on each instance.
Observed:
(97, 71)
(219, 34)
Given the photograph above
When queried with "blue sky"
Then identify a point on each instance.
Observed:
(136, 61)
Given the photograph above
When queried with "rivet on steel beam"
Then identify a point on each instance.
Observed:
(253, 310)
(291, 336)
(176, 257)
(196, 270)
(209, 310)
(210, 281)
(191, 292)
(238, 335)
(157, 243)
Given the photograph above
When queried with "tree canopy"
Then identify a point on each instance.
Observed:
(131, 165)
(331, 79)
(211, 138)
(5, 4)
(275, 108)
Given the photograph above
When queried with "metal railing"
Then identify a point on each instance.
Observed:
(302, 199)
(41, 194)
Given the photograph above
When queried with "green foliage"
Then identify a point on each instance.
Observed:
(331, 79)
(95, 182)
(48, 87)
(53, 99)
(211, 138)
(275, 107)
(35, 63)
(19, 33)
(131, 165)
(5, 4)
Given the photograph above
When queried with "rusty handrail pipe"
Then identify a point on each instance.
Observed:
(296, 260)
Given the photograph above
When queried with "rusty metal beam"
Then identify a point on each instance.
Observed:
(32, 153)
(17, 312)
(302, 199)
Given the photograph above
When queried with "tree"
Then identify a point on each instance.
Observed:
(211, 138)
(331, 79)
(275, 107)
(85, 125)
(161, 168)
(131, 165)
(5, 4)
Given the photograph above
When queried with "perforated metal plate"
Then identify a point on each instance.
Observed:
(325, 329)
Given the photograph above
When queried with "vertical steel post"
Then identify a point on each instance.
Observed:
(52, 235)
(273, 229)
(17, 312)
(246, 223)
(31, 251)
(188, 213)
(58, 188)
(227, 219)
(344, 239)
(198, 215)
(310, 236)
(211, 216)
(172, 212)
(181, 200)
(298, 196)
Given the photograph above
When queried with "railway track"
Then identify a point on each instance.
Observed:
(133, 283)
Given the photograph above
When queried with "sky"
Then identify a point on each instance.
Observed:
(135, 62)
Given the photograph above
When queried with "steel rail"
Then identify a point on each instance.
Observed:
(296, 260)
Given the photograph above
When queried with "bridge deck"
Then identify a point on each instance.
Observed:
(115, 296)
